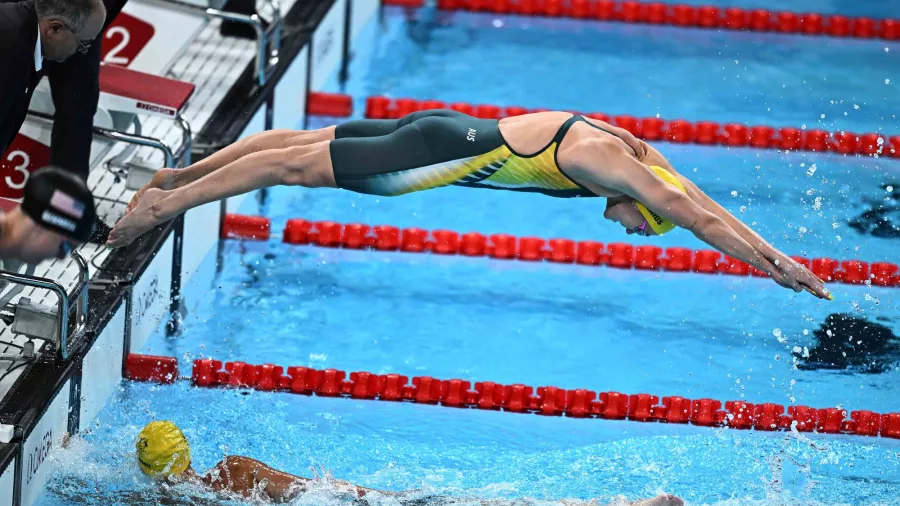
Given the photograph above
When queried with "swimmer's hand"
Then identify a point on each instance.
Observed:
(145, 215)
(790, 274)
(164, 179)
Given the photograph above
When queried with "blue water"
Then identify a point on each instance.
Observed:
(429, 451)
(544, 324)
(617, 68)
(877, 9)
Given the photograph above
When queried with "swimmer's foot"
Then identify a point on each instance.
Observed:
(660, 500)
(164, 179)
(145, 215)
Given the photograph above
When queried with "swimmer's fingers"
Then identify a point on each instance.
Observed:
(813, 284)
(819, 291)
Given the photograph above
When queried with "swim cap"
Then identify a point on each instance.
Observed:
(162, 449)
(659, 224)
(60, 201)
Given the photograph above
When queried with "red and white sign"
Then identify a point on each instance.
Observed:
(23, 157)
(148, 36)
(124, 39)
(142, 93)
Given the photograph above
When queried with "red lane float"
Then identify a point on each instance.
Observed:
(558, 250)
(239, 226)
(545, 400)
(152, 368)
(329, 104)
(679, 130)
(656, 13)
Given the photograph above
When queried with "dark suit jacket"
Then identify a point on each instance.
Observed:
(74, 85)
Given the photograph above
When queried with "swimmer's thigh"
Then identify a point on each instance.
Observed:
(379, 127)
(417, 156)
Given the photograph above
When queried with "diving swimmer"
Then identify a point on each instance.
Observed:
(554, 153)
(163, 452)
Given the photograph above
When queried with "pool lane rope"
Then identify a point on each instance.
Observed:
(685, 16)
(517, 398)
(356, 236)
(651, 129)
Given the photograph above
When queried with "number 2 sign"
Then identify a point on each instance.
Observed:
(124, 39)
(23, 157)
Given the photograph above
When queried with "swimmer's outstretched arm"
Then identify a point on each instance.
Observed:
(653, 157)
(609, 166)
(243, 476)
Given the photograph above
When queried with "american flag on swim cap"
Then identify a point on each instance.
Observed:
(66, 204)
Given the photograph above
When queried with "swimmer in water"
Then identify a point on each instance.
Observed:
(163, 452)
(554, 153)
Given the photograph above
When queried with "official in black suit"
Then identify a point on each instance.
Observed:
(38, 36)
(60, 39)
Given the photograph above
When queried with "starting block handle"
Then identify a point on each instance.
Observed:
(62, 304)
(267, 40)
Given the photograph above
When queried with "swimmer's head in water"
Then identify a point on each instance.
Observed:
(162, 449)
(635, 216)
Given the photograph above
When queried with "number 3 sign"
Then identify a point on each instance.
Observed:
(23, 157)
(124, 39)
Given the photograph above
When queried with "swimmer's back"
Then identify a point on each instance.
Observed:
(528, 133)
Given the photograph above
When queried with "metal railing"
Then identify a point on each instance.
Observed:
(172, 159)
(170, 156)
(268, 40)
(62, 304)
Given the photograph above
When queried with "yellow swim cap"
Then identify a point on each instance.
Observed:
(659, 224)
(162, 449)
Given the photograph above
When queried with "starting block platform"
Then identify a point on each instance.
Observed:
(165, 70)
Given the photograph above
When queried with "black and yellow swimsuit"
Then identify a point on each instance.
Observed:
(430, 149)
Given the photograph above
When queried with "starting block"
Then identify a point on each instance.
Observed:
(124, 96)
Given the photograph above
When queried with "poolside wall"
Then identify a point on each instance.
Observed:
(52, 399)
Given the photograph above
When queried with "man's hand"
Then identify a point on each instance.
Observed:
(790, 274)
(164, 179)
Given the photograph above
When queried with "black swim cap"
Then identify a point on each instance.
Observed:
(60, 201)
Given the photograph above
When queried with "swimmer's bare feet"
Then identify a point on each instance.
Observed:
(164, 179)
(660, 500)
(145, 215)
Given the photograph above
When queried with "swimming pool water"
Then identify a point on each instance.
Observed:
(617, 68)
(430, 451)
(542, 324)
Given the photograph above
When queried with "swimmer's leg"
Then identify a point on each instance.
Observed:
(379, 127)
(429, 149)
(427, 153)
(283, 138)
(170, 178)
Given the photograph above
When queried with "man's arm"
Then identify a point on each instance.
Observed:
(15, 67)
(75, 87)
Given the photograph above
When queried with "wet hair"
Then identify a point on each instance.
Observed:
(73, 13)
